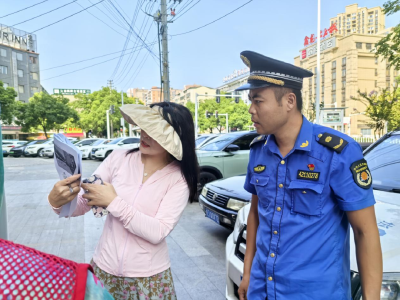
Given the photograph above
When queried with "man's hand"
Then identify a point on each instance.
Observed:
(244, 285)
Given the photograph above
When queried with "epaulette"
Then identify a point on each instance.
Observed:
(257, 139)
(332, 141)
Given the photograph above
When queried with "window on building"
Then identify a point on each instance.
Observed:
(343, 72)
(343, 61)
(333, 86)
(35, 76)
(359, 45)
(333, 75)
(20, 73)
(322, 99)
(3, 52)
(323, 68)
(34, 89)
(387, 84)
(334, 64)
(343, 84)
(3, 70)
(376, 72)
(315, 70)
(368, 46)
(33, 59)
(395, 72)
(366, 131)
(333, 98)
(376, 60)
(19, 57)
(323, 78)
(343, 97)
(5, 85)
(376, 83)
(388, 72)
(21, 89)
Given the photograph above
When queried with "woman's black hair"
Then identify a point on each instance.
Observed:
(180, 118)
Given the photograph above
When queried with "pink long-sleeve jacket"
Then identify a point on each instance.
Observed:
(140, 218)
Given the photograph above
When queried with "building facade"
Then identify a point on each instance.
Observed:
(235, 80)
(188, 94)
(138, 93)
(348, 64)
(19, 62)
(360, 20)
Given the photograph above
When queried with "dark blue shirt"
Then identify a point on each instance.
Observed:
(303, 233)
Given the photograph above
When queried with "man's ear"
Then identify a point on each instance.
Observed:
(291, 101)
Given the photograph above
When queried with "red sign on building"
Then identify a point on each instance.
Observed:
(323, 34)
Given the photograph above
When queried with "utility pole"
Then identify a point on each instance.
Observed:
(110, 84)
(122, 119)
(165, 64)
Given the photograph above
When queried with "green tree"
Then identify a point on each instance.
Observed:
(379, 108)
(92, 109)
(7, 103)
(238, 116)
(311, 113)
(388, 47)
(44, 111)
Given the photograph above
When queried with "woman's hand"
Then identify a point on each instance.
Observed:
(65, 191)
(99, 195)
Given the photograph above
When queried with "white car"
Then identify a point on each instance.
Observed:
(87, 149)
(7, 145)
(382, 158)
(120, 143)
(38, 148)
(49, 151)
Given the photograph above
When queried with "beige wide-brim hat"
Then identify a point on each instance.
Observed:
(152, 121)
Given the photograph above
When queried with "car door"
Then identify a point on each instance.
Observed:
(236, 163)
(130, 143)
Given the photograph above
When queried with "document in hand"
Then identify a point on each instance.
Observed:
(68, 161)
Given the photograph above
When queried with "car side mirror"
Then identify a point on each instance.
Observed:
(120, 144)
(232, 148)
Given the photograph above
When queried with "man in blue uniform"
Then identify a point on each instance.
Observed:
(309, 183)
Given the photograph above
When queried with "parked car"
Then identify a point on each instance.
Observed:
(383, 161)
(204, 139)
(20, 150)
(221, 199)
(49, 150)
(120, 143)
(37, 149)
(87, 149)
(8, 145)
(225, 156)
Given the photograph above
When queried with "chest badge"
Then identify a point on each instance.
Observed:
(308, 175)
(259, 169)
(311, 167)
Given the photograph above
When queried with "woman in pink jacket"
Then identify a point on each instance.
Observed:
(145, 192)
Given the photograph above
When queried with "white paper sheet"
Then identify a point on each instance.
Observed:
(68, 162)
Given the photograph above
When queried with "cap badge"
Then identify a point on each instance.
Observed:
(245, 60)
(304, 144)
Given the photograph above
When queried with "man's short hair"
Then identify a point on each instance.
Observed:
(282, 91)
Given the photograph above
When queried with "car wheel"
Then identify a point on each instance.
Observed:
(5, 155)
(40, 153)
(205, 177)
(90, 156)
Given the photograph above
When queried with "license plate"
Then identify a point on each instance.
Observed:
(11, 152)
(212, 215)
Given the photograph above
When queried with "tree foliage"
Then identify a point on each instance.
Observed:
(44, 111)
(238, 116)
(388, 47)
(7, 103)
(92, 109)
(379, 108)
(311, 113)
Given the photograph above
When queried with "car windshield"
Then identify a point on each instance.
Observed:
(220, 142)
(200, 139)
(384, 162)
(98, 142)
(116, 141)
(41, 142)
(31, 143)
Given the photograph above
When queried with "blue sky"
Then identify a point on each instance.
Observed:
(273, 28)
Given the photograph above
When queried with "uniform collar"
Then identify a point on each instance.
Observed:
(303, 141)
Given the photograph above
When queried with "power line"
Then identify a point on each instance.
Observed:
(76, 62)
(102, 62)
(23, 9)
(181, 14)
(67, 17)
(45, 13)
(212, 21)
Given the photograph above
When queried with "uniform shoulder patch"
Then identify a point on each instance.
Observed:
(361, 173)
(332, 141)
(257, 139)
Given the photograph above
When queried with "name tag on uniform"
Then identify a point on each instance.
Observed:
(308, 175)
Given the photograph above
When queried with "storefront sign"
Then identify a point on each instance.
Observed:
(325, 45)
(70, 91)
(236, 73)
(73, 130)
(17, 38)
(332, 117)
(323, 33)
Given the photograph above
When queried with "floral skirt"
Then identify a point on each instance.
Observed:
(156, 287)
